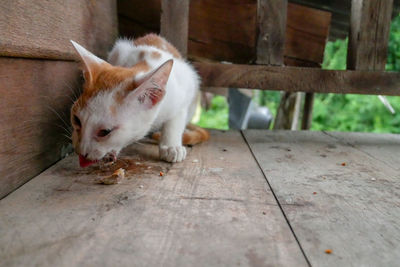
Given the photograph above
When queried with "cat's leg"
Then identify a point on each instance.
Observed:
(171, 148)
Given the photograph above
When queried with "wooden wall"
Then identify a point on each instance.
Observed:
(39, 79)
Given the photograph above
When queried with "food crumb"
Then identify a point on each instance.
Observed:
(328, 251)
(140, 186)
(264, 213)
(373, 179)
(343, 163)
(114, 178)
(314, 193)
(195, 161)
(161, 174)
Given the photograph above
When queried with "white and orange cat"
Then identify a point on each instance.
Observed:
(145, 86)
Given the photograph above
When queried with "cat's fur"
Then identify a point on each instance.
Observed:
(144, 86)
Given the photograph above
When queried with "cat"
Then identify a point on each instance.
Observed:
(144, 86)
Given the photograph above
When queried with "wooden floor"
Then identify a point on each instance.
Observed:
(257, 198)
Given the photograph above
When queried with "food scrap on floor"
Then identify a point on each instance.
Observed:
(115, 178)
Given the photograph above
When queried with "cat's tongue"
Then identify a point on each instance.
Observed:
(84, 162)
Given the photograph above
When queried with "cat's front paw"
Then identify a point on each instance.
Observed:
(172, 153)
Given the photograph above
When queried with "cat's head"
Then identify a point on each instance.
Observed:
(117, 107)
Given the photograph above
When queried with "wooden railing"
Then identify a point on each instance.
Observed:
(368, 41)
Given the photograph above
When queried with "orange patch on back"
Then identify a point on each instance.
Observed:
(158, 42)
(155, 55)
(141, 55)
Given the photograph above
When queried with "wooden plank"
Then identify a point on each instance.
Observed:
(223, 30)
(175, 23)
(369, 34)
(299, 79)
(226, 30)
(214, 209)
(31, 133)
(355, 208)
(42, 29)
(306, 38)
(271, 23)
(384, 149)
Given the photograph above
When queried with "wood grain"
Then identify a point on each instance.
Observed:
(42, 29)
(355, 208)
(306, 38)
(175, 23)
(299, 79)
(223, 30)
(226, 30)
(369, 34)
(31, 133)
(214, 209)
(271, 29)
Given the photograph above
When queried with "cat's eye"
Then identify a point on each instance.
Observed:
(103, 132)
(77, 121)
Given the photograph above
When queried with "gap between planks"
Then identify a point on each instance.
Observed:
(276, 198)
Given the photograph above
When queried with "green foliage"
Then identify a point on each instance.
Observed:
(216, 116)
(358, 113)
(335, 55)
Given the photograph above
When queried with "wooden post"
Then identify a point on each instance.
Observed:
(307, 112)
(369, 34)
(271, 16)
(175, 23)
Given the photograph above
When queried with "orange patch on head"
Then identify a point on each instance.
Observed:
(106, 77)
(113, 110)
(158, 42)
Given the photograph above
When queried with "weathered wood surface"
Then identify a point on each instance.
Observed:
(226, 30)
(386, 150)
(355, 209)
(369, 34)
(223, 30)
(31, 133)
(214, 209)
(299, 79)
(42, 29)
(306, 38)
(175, 23)
(271, 30)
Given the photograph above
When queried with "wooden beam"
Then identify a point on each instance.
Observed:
(42, 29)
(271, 25)
(369, 34)
(175, 23)
(295, 79)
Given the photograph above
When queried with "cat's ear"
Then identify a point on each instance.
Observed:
(152, 88)
(90, 61)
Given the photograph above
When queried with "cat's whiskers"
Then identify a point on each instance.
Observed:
(58, 115)
(74, 92)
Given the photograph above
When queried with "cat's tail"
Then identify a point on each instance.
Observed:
(192, 135)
